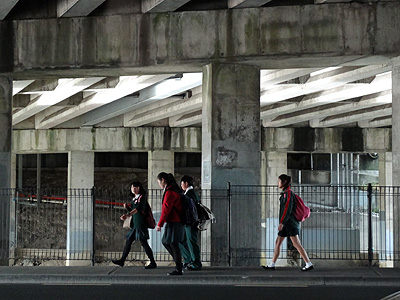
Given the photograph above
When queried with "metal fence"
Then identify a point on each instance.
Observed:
(346, 223)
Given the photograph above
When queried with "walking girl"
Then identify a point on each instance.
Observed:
(139, 232)
(288, 224)
(171, 213)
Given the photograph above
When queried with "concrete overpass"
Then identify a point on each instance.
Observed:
(226, 67)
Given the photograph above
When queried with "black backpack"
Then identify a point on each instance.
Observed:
(190, 216)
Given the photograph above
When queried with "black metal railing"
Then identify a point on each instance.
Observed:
(346, 223)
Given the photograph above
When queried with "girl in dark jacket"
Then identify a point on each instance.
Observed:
(171, 213)
(139, 232)
(288, 224)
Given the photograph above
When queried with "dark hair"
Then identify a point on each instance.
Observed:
(169, 180)
(188, 179)
(138, 184)
(286, 180)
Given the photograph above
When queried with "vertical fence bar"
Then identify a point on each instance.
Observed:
(93, 224)
(370, 250)
(229, 195)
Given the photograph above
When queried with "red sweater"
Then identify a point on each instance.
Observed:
(171, 208)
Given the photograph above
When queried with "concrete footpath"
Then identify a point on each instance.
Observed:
(208, 276)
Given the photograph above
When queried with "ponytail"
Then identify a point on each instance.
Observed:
(169, 180)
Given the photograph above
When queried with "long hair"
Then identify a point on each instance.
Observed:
(286, 180)
(169, 180)
(138, 184)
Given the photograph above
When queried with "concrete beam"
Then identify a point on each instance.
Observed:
(158, 6)
(355, 116)
(19, 85)
(348, 91)
(126, 86)
(376, 122)
(337, 114)
(246, 3)
(124, 105)
(270, 78)
(77, 8)
(185, 120)
(6, 7)
(65, 89)
(323, 140)
(107, 139)
(166, 89)
(321, 82)
(163, 109)
(281, 37)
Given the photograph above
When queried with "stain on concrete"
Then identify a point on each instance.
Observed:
(226, 158)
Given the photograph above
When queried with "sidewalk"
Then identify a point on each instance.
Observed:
(207, 276)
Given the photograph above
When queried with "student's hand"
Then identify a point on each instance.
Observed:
(123, 217)
(280, 227)
(158, 228)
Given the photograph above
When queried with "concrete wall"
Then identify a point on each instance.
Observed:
(271, 37)
(330, 140)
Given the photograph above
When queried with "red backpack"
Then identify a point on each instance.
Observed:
(302, 212)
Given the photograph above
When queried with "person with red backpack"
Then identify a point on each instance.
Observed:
(289, 226)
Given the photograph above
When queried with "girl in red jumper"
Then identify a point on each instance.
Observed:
(171, 213)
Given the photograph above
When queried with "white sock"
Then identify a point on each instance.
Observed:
(309, 264)
(271, 264)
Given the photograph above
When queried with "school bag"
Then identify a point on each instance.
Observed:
(205, 216)
(189, 216)
(301, 212)
(149, 218)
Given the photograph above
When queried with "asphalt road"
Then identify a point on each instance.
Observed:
(183, 292)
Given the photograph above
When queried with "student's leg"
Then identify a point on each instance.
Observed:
(185, 250)
(195, 249)
(127, 249)
(177, 256)
(297, 244)
(277, 250)
(149, 252)
(169, 249)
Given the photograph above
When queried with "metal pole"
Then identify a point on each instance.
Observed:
(229, 224)
(370, 249)
(93, 224)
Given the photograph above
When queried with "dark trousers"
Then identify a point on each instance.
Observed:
(190, 248)
(175, 252)
(144, 244)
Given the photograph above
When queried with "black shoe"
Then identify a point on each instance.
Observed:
(268, 268)
(305, 269)
(175, 272)
(118, 262)
(185, 266)
(151, 266)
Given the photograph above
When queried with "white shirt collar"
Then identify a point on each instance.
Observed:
(188, 189)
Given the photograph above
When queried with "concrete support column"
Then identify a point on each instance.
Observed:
(5, 165)
(273, 164)
(80, 208)
(231, 131)
(159, 161)
(396, 154)
(386, 210)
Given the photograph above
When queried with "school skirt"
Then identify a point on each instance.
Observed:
(138, 234)
(174, 233)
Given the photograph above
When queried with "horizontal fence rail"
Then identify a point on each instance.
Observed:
(346, 223)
